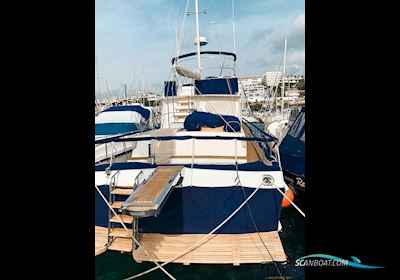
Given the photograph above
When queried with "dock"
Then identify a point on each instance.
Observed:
(232, 249)
(149, 198)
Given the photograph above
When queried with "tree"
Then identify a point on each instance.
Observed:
(301, 85)
(255, 106)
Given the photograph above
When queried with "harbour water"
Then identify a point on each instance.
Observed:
(115, 266)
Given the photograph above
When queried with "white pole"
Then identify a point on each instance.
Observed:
(142, 98)
(177, 41)
(197, 36)
(284, 78)
(134, 84)
(233, 27)
(98, 76)
(108, 91)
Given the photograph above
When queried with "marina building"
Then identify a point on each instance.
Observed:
(253, 88)
(272, 79)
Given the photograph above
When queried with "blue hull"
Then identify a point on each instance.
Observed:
(200, 209)
(101, 208)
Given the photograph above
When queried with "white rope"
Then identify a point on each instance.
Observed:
(201, 241)
(291, 202)
(239, 183)
(134, 239)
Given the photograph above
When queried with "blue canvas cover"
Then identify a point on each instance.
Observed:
(169, 88)
(196, 120)
(145, 113)
(227, 85)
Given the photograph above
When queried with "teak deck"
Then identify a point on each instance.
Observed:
(254, 151)
(121, 244)
(146, 197)
(100, 240)
(233, 249)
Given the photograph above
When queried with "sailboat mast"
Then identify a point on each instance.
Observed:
(284, 78)
(197, 36)
(98, 84)
(126, 95)
(98, 76)
(142, 99)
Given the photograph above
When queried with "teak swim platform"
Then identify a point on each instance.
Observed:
(233, 249)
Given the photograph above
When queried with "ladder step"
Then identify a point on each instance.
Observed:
(117, 204)
(181, 114)
(121, 244)
(120, 232)
(125, 218)
(185, 101)
(124, 187)
(122, 191)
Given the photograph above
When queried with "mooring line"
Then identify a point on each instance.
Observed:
(291, 202)
(201, 241)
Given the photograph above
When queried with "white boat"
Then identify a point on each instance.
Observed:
(118, 121)
(205, 172)
(276, 123)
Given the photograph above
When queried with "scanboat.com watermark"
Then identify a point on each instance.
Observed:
(328, 260)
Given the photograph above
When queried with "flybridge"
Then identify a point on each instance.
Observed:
(208, 85)
(211, 85)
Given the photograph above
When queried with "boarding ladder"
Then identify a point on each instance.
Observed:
(118, 238)
(148, 199)
(183, 108)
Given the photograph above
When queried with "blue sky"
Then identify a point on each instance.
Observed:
(137, 37)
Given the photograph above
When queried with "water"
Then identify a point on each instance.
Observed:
(114, 265)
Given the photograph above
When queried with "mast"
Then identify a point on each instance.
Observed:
(176, 41)
(98, 83)
(142, 95)
(197, 36)
(233, 26)
(126, 95)
(284, 78)
(98, 76)
(133, 85)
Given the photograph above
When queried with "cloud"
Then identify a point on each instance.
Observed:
(268, 55)
(139, 35)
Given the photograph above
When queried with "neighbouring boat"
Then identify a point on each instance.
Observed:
(118, 121)
(292, 151)
(277, 122)
(206, 177)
